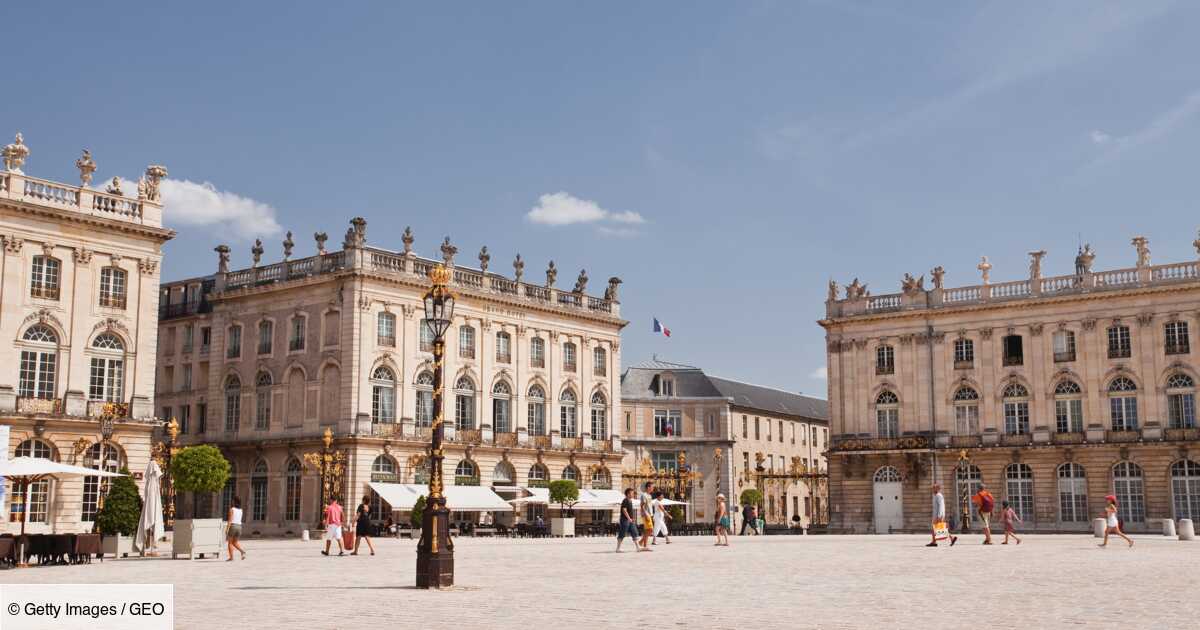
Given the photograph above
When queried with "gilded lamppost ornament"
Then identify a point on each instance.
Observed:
(15, 154)
(162, 453)
(86, 167)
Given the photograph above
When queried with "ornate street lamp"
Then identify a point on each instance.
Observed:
(330, 464)
(162, 453)
(435, 552)
(964, 491)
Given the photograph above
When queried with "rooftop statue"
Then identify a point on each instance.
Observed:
(15, 154)
(86, 167)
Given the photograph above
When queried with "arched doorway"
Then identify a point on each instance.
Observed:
(889, 500)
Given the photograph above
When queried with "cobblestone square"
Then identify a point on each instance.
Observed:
(760, 582)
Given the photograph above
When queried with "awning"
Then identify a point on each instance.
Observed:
(536, 496)
(599, 499)
(402, 496)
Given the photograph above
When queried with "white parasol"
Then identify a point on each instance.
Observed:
(23, 471)
(150, 526)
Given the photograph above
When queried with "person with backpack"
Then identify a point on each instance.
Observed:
(984, 504)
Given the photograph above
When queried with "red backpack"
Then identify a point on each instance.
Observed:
(986, 502)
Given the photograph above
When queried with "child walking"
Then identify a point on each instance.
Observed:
(1008, 515)
(1111, 524)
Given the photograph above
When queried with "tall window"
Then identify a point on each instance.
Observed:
(567, 421)
(1016, 409)
(466, 473)
(1122, 404)
(466, 342)
(112, 287)
(426, 336)
(1129, 488)
(569, 358)
(385, 330)
(571, 472)
(424, 387)
(383, 395)
(599, 417)
(1014, 353)
(887, 415)
(464, 404)
(298, 333)
(233, 346)
(101, 456)
(1072, 493)
(189, 337)
(537, 410)
(201, 418)
(501, 407)
(539, 477)
(1068, 407)
(964, 352)
(667, 423)
(39, 491)
(292, 491)
(966, 411)
(39, 361)
(601, 479)
(185, 418)
(258, 492)
(1185, 489)
(1177, 338)
(503, 347)
(266, 334)
(885, 360)
(1118, 342)
(1019, 479)
(537, 352)
(1064, 346)
(503, 474)
(233, 403)
(599, 362)
(1181, 402)
(107, 381)
(44, 277)
(205, 338)
(262, 401)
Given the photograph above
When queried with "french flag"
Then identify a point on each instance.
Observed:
(659, 328)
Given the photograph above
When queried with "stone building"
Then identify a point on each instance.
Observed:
(725, 429)
(79, 299)
(262, 361)
(1053, 391)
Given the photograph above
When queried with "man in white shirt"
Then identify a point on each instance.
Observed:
(939, 515)
(646, 512)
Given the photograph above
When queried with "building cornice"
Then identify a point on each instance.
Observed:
(159, 234)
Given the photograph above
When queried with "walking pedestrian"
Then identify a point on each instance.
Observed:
(723, 525)
(626, 526)
(333, 527)
(233, 534)
(646, 513)
(1008, 515)
(660, 519)
(939, 517)
(760, 524)
(1111, 524)
(747, 519)
(984, 504)
(362, 527)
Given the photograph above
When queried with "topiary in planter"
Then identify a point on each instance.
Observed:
(418, 511)
(199, 469)
(751, 496)
(122, 508)
(565, 493)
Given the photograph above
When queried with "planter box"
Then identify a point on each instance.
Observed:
(198, 536)
(562, 527)
(116, 546)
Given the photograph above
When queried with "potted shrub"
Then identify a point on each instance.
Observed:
(565, 493)
(118, 519)
(199, 469)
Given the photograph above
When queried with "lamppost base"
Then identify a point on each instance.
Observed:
(435, 552)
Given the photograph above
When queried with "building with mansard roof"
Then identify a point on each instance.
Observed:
(79, 301)
(1054, 391)
(262, 360)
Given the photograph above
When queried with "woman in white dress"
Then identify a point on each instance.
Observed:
(660, 519)
(1111, 524)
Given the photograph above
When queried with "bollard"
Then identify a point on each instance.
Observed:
(304, 535)
(1098, 528)
(1186, 532)
(1168, 527)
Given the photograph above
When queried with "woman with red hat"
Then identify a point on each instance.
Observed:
(1111, 524)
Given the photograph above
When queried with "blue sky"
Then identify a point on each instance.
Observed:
(729, 158)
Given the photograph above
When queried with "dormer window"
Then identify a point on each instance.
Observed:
(666, 385)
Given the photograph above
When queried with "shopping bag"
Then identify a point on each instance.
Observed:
(940, 530)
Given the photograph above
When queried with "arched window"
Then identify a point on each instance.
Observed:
(424, 387)
(1072, 493)
(466, 473)
(1181, 402)
(599, 416)
(968, 480)
(258, 492)
(887, 474)
(887, 414)
(502, 407)
(567, 414)
(464, 404)
(537, 410)
(966, 411)
(107, 369)
(44, 277)
(503, 347)
(1122, 404)
(1019, 481)
(385, 330)
(1068, 407)
(1185, 489)
(39, 491)
(292, 493)
(601, 479)
(1016, 410)
(39, 363)
(1129, 488)
(503, 474)
(539, 477)
(383, 395)
(421, 467)
(233, 403)
(104, 456)
(262, 401)
(571, 472)
(885, 360)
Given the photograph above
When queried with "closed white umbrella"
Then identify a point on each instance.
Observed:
(150, 527)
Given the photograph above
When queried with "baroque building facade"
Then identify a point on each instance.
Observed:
(1052, 391)
(262, 361)
(732, 436)
(79, 300)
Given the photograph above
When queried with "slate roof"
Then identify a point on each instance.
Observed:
(772, 400)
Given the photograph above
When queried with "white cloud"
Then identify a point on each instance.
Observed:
(188, 203)
(1159, 128)
(562, 208)
(821, 373)
(1099, 137)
